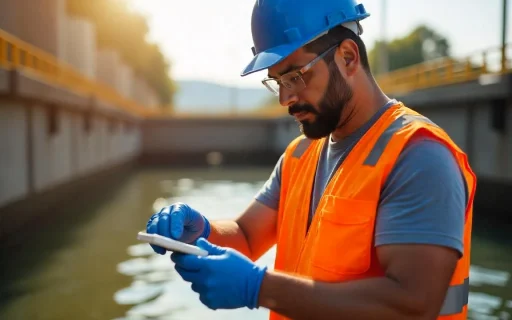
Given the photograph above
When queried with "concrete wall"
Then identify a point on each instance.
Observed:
(125, 84)
(77, 44)
(286, 130)
(207, 135)
(143, 93)
(36, 156)
(14, 182)
(469, 113)
(36, 22)
(493, 149)
(107, 64)
(189, 141)
(111, 69)
(52, 154)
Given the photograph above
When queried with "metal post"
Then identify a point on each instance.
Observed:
(383, 50)
(504, 37)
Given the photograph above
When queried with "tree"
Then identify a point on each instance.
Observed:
(125, 31)
(421, 44)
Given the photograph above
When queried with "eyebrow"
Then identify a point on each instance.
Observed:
(288, 69)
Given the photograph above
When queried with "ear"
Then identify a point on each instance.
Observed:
(348, 54)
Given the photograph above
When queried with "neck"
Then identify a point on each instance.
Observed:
(364, 104)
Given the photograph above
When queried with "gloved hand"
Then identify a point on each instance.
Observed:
(225, 279)
(180, 222)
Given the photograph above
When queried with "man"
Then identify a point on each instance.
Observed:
(371, 207)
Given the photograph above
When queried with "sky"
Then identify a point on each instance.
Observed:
(211, 40)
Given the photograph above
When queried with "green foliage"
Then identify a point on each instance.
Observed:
(125, 31)
(421, 44)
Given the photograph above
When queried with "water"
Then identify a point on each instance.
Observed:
(85, 262)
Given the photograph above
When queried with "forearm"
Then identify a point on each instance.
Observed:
(227, 233)
(252, 233)
(375, 298)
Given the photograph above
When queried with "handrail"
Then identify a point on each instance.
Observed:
(433, 73)
(18, 54)
(446, 71)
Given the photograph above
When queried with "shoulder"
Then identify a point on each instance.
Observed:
(424, 197)
(424, 156)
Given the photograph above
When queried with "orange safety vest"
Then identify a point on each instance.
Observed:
(338, 246)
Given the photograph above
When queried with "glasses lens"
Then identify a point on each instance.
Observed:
(272, 85)
(293, 82)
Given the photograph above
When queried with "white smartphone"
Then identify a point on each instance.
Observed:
(171, 244)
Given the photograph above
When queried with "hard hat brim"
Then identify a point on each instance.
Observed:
(270, 57)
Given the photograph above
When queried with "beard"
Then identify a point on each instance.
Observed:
(330, 108)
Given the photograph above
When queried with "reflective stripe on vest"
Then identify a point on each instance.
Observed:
(301, 148)
(383, 140)
(456, 298)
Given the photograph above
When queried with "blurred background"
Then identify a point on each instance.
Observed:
(111, 109)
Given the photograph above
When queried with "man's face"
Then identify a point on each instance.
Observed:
(318, 106)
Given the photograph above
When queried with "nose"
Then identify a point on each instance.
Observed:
(287, 97)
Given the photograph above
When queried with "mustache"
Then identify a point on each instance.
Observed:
(296, 108)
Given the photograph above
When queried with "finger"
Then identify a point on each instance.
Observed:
(210, 247)
(165, 210)
(197, 287)
(188, 261)
(187, 275)
(207, 300)
(153, 228)
(175, 256)
(163, 226)
(177, 223)
(151, 220)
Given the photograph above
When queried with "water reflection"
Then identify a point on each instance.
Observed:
(221, 199)
(87, 264)
(153, 275)
(480, 276)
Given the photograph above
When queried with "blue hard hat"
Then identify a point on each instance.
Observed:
(279, 27)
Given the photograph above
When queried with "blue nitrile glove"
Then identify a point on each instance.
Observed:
(225, 279)
(180, 222)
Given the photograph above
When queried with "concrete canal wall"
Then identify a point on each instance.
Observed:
(52, 140)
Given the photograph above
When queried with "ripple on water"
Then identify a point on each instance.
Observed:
(157, 291)
(139, 266)
(157, 276)
(170, 302)
(479, 276)
(138, 292)
(138, 250)
(164, 295)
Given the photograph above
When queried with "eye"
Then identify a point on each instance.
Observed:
(295, 78)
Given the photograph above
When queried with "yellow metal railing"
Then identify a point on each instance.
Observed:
(433, 73)
(446, 71)
(17, 54)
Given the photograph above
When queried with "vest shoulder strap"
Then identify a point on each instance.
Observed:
(294, 151)
(409, 122)
(292, 154)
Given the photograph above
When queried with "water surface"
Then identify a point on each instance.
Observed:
(84, 261)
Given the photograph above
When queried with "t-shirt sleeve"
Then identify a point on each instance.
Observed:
(270, 191)
(424, 199)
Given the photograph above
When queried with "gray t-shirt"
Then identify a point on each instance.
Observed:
(422, 201)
